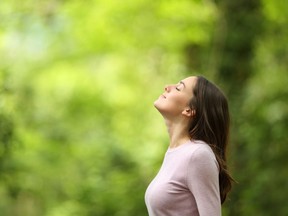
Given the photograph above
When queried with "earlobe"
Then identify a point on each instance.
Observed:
(188, 112)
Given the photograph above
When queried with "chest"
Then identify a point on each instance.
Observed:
(170, 184)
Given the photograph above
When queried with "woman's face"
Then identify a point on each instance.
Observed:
(174, 101)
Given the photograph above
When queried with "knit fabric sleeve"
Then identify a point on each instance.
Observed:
(203, 181)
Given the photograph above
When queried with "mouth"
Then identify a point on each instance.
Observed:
(163, 96)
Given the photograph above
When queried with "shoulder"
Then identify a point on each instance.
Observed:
(195, 152)
(201, 153)
(202, 162)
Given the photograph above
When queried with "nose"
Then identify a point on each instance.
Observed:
(167, 88)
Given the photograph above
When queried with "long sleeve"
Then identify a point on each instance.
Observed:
(203, 182)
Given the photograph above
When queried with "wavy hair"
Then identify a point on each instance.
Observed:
(211, 124)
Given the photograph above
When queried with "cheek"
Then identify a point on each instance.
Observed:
(179, 101)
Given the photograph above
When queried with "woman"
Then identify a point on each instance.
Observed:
(193, 179)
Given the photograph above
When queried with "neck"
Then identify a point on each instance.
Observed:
(178, 134)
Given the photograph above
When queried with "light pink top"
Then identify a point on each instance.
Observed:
(186, 184)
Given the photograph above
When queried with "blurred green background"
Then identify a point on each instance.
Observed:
(78, 131)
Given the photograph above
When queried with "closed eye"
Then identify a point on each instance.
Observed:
(180, 86)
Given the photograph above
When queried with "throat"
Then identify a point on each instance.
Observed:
(177, 142)
(178, 133)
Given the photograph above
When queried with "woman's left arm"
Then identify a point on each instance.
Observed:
(203, 182)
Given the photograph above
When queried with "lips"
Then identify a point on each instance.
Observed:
(163, 96)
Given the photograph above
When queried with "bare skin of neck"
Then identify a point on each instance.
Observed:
(178, 132)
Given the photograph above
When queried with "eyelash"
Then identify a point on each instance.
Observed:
(177, 88)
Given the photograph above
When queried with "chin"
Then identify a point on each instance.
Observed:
(158, 106)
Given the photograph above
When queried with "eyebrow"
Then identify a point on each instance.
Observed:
(183, 84)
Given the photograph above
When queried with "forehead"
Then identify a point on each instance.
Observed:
(190, 82)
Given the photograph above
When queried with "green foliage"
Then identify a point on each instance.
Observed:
(78, 131)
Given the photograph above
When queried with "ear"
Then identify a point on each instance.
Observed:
(189, 112)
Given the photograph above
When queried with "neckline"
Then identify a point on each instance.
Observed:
(184, 144)
(178, 147)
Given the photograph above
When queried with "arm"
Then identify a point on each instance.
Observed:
(203, 181)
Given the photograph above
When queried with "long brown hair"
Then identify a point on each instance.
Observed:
(211, 124)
